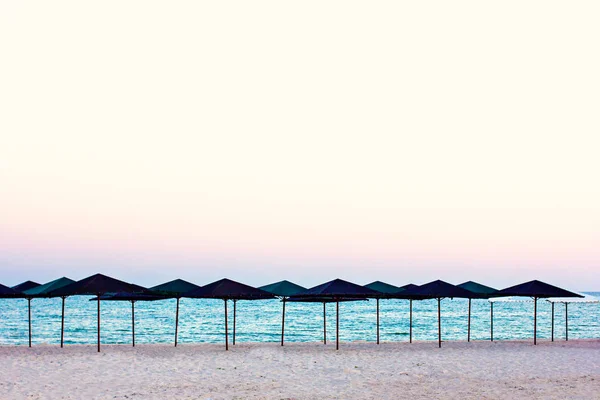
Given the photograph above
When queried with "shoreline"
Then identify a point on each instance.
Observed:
(277, 344)
(359, 370)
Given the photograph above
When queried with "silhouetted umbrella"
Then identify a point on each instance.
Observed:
(481, 292)
(175, 289)
(97, 285)
(566, 301)
(438, 290)
(23, 286)
(283, 290)
(131, 297)
(7, 292)
(410, 286)
(337, 290)
(407, 293)
(386, 291)
(226, 289)
(323, 300)
(20, 288)
(536, 289)
(43, 291)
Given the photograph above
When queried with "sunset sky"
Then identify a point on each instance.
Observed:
(269, 140)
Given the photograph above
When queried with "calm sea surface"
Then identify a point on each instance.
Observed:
(260, 321)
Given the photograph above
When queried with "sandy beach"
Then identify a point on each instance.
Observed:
(476, 370)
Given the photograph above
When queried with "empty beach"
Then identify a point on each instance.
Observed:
(476, 370)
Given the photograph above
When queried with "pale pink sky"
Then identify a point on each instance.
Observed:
(265, 141)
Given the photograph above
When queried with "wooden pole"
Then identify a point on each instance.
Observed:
(226, 334)
(29, 311)
(133, 323)
(324, 324)
(337, 325)
(492, 321)
(567, 321)
(553, 321)
(283, 321)
(98, 296)
(535, 320)
(62, 323)
(176, 321)
(377, 320)
(410, 318)
(234, 303)
(469, 324)
(439, 324)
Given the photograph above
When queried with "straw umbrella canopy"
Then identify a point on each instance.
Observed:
(438, 290)
(226, 289)
(566, 301)
(43, 291)
(283, 289)
(20, 288)
(386, 291)
(481, 292)
(23, 286)
(131, 297)
(97, 285)
(175, 289)
(7, 292)
(337, 290)
(408, 293)
(536, 289)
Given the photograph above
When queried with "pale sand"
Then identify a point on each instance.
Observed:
(477, 370)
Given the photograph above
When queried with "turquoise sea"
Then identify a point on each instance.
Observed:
(202, 321)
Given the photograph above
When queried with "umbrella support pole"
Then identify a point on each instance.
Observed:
(133, 323)
(337, 325)
(226, 334)
(377, 321)
(469, 324)
(567, 322)
(29, 312)
(324, 324)
(535, 320)
(410, 323)
(552, 335)
(234, 313)
(62, 323)
(98, 322)
(492, 321)
(283, 321)
(439, 324)
(176, 321)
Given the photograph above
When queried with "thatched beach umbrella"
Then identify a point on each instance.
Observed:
(44, 291)
(226, 289)
(481, 292)
(7, 292)
(20, 288)
(337, 290)
(97, 285)
(536, 289)
(407, 294)
(131, 297)
(438, 290)
(283, 289)
(386, 291)
(566, 301)
(325, 301)
(175, 289)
